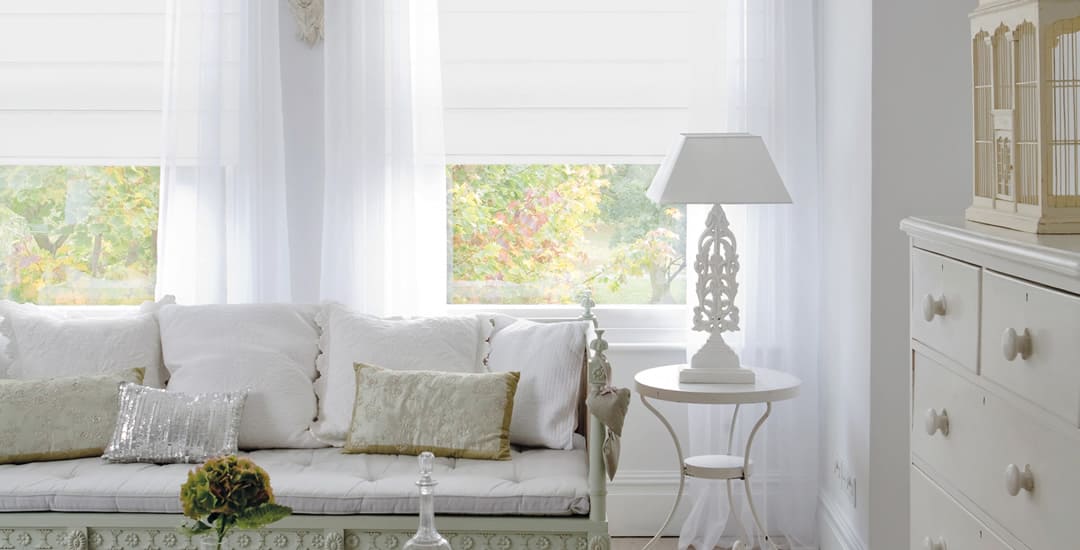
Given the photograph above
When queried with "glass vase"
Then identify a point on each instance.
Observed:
(427, 537)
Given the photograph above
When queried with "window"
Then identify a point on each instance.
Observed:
(80, 128)
(78, 234)
(540, 233)
(538, 93)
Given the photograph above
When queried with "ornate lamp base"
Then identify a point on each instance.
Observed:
(715, 363)
(716, 265)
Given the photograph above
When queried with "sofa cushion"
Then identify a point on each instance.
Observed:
(267, 350)
(549, 357)
(535, 482)
(449, 344)
(463, 415)
(48, 343)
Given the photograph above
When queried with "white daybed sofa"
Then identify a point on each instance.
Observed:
(541, 499)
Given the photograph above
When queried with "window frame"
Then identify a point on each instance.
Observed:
(651, 325)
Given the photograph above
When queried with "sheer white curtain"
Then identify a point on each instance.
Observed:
(222, 232)
(384, 226)
(768, 80)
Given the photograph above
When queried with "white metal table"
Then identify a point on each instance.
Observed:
(662, 383)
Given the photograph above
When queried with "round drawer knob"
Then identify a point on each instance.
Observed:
(932, 307)
(1016, 479)
(931, 544)
(1013, 344)
(935, 422)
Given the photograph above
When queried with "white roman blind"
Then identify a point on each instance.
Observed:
(565, 80)
(81, 81)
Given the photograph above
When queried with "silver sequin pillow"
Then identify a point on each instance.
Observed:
(162, 427)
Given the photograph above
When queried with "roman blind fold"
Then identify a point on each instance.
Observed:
(80, 81)
(565, 80)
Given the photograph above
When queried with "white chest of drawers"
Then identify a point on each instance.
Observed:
(995, 382)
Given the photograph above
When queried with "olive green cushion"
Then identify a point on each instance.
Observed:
(460, 415)
(59, 418)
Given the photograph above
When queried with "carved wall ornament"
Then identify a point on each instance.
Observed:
(309, 19)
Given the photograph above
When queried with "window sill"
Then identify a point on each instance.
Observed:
(627, 328)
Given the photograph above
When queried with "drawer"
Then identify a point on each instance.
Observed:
(945, 306)
(1031, 343)
(940, 392)
(1045, 516)
(938, 519)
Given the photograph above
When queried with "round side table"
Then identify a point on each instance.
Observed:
(662, 383)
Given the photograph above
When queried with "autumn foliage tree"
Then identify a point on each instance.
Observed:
(520, 224)
(521, 233)
(78, 234)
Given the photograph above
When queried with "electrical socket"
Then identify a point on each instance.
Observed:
(847, 481)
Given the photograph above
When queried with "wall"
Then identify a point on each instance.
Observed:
(302, 99)
(921, 166)
(844, 80)
(644, 489)
(894, 75)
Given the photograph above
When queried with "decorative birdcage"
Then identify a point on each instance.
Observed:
(1025, 58)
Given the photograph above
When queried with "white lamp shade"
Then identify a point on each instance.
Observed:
(718, 168)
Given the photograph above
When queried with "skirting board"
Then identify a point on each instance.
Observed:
(638, 502)
(836, 530)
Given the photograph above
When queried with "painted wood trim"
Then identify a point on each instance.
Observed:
(838, 523)
(27, 531)
(992, 242)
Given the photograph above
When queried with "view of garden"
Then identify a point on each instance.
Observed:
(78, 234)
(521, 234)
(535, 234)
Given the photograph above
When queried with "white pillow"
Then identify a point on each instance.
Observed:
(449, 344)
(47, 344)
(268, 350)
(550, 357)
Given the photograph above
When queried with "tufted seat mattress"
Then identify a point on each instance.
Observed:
(535, 482)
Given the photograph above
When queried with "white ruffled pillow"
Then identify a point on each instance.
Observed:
(268, 350)
(50, 344)
(550, 357)
(449, 344)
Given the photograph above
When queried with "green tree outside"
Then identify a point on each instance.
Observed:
(524, 234)
(539, 233)
(78, 234)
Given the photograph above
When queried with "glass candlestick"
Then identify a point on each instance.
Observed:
(426, 535)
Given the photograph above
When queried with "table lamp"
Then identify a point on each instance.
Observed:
(717, 168)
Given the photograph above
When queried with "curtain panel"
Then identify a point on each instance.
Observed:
(224, 224)
(766, 86)
(220, 231)
(384, 235)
